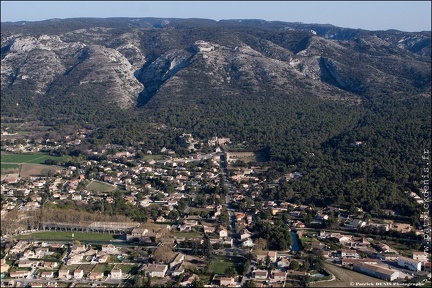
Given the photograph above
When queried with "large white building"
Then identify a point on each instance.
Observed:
(409, 263)
(376, 271)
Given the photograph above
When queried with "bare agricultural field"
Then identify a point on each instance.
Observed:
(28, 170)
(347, 278)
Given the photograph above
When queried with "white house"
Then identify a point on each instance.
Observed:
(116, 274)
(156, 270)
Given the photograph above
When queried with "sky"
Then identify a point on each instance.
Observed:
(410, 16)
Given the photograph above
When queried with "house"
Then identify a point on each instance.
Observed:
(47, 274)
(156, 270)
(419, 256)
(96, 275)
(4, 267)
(64, 274)
(226, 281)
(116, 274)
(340, 238)
(138, 233)
(50, 265)
(19, 274)
(355, 223)
(76, 249)
(388, 256)
(78, 274)
(283, 263)
(278, 276)
(103, 258)
(248, 243)
(208, 229)
(28, 254)
(74, 259)
(223, 232)
(28, 263)
(376, 271)
(260, 274)
(245, 235)
(110, 249)
(272, 256)
(348, 253)
(42, 252)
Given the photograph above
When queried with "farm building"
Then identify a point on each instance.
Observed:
(409, 263)
(376, 271)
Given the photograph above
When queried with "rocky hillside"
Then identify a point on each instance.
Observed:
(138, 62)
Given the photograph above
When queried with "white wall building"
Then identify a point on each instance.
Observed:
(409, 263)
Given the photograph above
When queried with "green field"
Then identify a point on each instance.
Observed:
(155, 157)
(126, 268)
(105, 268)
(10, 166)
(67, 236)
(100, 187)
(35, 158)
(221, 263)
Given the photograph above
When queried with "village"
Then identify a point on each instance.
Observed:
(202, 225)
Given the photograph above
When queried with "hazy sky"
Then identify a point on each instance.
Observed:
(370, 15)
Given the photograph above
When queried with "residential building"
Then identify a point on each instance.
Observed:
(349, 253)
(420, 256)
(64, 274)
(226, 281)
(156, 270)
(47, 274)
(96, 275)
(278, 276)
(19, 274)
(78, 274)
(260, 274)
(116, 274)
(110, 249)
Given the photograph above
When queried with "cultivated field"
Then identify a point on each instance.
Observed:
(28, 164)
(28, 170)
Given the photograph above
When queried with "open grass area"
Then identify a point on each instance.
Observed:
(100, 186)
(105, 268)
(9, 166)
(126, 268)
(32, 158)
(221, 263)
(155, 157)
(67, 236)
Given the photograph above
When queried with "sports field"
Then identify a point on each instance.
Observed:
(100, 186)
